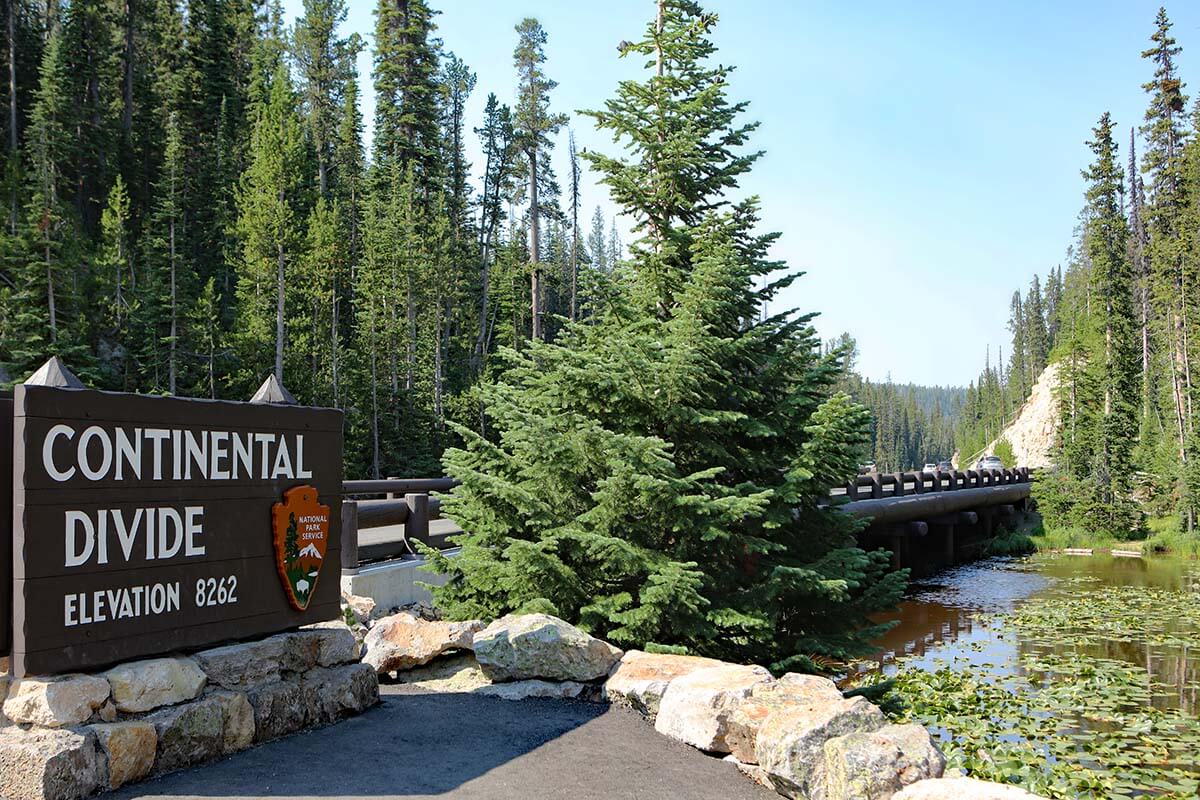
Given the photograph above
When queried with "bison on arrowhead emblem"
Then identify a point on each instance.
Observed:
(301, 527)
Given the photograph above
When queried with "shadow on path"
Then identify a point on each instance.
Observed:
(464, 746)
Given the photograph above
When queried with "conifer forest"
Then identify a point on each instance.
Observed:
(189, 208)
(1118, 317)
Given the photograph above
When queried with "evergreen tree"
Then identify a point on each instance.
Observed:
(271, 200)
(534, 125)
(657, 513)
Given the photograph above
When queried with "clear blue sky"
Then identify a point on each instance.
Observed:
(922, 158)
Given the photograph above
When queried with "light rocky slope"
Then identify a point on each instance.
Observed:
(1031, 434)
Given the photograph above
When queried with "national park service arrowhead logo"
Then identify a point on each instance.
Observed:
(301, 527)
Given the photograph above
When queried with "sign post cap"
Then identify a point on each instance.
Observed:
(272, 391)
(54, 373)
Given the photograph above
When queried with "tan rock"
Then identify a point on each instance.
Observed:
(129, 747)
(640, 679)
(146, 685)
(962, 789)
(237, 721)
(875, 765)
(38, 764)
(403, 641)
(335, 643)
(696, 707)
(792, 689)
(517, 647)
(55, 702)
(189, 734)
(333, 694)
(790, 740)
(244, 666)
(360, 608)
(279, 709)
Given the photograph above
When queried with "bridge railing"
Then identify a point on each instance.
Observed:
(876, 486)
(369, 506)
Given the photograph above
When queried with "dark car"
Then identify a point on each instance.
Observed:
(945, 466)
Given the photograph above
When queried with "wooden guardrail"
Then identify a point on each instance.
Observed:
(405, 501)
(408, 502)
(875, 486)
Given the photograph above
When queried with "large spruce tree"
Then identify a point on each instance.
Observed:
(658, 474)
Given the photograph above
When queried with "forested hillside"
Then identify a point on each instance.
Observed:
(911, 425)
(188, 207)
(1122, 319)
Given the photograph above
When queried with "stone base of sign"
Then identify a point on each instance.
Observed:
(66, 737)
(393, 584)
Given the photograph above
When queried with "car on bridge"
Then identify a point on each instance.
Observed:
(945, 466)
(989, 462)
(931, 467)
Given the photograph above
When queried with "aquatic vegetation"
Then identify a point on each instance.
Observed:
(1098, 700)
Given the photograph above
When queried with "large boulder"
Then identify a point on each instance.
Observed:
(55, 702)
(403, 641)
(333, 642)
(129, 748)
(237, 721)
(641, 679)
(146, 685)
(244, 666)
(792, 689)
(696, 707)
(41, 764)
(189, 734)
(962, 789)
(875, 765)
(517, 647)
(279, 709)
(339, 692)
(791, 740)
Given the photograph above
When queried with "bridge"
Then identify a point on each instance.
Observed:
(934, 519)
(926, 519)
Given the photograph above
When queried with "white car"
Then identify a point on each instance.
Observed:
(989, 462)
(929, 468)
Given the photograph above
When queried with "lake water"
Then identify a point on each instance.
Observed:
(1050, 661)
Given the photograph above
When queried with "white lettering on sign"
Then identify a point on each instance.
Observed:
(125, 602)
(164, 531)
(123, 454)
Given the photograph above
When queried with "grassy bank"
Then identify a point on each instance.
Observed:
(1028, 534)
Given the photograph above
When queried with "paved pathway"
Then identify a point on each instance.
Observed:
(462, 746)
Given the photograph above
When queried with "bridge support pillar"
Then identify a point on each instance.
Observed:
(948, 551)
(897, 542)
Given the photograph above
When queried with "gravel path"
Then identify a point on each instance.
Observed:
(462, 746)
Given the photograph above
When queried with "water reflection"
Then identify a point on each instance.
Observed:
(949, 618)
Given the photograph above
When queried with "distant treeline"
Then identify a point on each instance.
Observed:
(911, 425)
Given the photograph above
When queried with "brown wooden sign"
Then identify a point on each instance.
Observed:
(6, 516)
(144, 525)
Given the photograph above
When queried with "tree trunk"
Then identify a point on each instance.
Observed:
(535, 286)
(279, 314)
(174, 317)
(333, 344)
(127, 88)
(13, 141)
